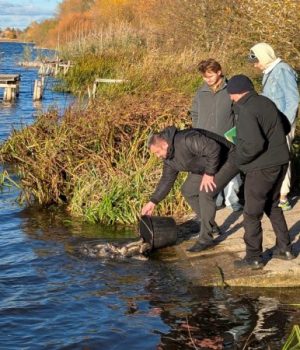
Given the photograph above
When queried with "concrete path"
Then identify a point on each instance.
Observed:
(215, 266)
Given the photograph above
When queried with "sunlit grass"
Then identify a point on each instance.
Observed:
(95, 160)
(293, 341)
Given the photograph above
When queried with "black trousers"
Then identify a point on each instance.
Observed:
(203, 203)
(262, 192)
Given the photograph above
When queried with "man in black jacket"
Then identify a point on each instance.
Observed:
(262, 154)
(209, 159)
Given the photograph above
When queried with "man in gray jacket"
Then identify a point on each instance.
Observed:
(211, 110)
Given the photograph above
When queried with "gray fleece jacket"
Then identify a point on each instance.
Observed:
(212, 111)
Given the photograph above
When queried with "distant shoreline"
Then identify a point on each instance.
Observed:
(6, 40)
(18, 41)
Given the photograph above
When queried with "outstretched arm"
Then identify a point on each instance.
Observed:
(148, 208)
(208, 183)
(166, 182)
(163, 187)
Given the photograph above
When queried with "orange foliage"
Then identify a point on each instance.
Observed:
(73, 6)
(72, 26)
(224, 29)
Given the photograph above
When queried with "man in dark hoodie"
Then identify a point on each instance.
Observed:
(209, 159)
(263, 155)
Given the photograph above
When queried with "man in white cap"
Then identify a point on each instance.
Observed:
(279, 85)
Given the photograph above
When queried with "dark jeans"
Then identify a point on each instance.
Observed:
(262, 191)
(203, 203)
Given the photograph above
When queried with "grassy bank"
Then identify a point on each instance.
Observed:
(93, 160)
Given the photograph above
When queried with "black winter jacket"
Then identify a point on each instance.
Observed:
(261, 141)
(191, 150)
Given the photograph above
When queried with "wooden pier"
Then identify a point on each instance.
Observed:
(54, 67)
(11, 85)
(49, 67)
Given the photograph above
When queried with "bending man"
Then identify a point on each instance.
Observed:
(209, 159)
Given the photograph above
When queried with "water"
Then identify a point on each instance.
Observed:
(53, 298)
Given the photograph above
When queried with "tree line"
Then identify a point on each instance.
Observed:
(224, 29)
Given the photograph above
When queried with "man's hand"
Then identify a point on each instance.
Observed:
(208, 183)
(148, 208)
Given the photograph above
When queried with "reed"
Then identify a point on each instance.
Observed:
(293, 341)
(144, 71)
(95, 160)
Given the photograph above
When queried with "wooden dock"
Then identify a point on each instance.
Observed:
(11, 85)
(49, 67)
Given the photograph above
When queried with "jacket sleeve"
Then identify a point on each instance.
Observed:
(288, 83)
(165, 184)
(203, 146)
(194, 111)
(250, 140)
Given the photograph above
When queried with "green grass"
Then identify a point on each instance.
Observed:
(293, 341)
(95, 161)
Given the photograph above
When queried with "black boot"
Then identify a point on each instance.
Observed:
(199, 246)
(253, 264)
(283, 255)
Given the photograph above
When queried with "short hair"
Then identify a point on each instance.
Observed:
(154, 138)
(209, 65)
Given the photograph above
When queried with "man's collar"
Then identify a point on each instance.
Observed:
(245, 98)
(271, 66)
(222, 86)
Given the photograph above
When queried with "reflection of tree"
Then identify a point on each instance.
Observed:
(203, 318)
(48, 224)
(214, 318)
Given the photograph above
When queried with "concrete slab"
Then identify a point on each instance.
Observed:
(215, 266)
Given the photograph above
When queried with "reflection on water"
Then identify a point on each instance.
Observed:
(95, 304)
(53, 298)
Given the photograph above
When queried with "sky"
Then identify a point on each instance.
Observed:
(20, 13)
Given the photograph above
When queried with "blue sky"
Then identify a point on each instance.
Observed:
(20, 13)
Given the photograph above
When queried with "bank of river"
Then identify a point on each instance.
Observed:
(54, 298)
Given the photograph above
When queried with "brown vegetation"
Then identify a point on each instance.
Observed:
(224, 29)
(94, 160)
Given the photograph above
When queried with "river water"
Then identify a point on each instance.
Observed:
(51, 297)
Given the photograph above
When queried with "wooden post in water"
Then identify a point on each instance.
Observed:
(38, 89)
(8, 94)
(11, 85)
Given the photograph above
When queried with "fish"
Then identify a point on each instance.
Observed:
(137, 250)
